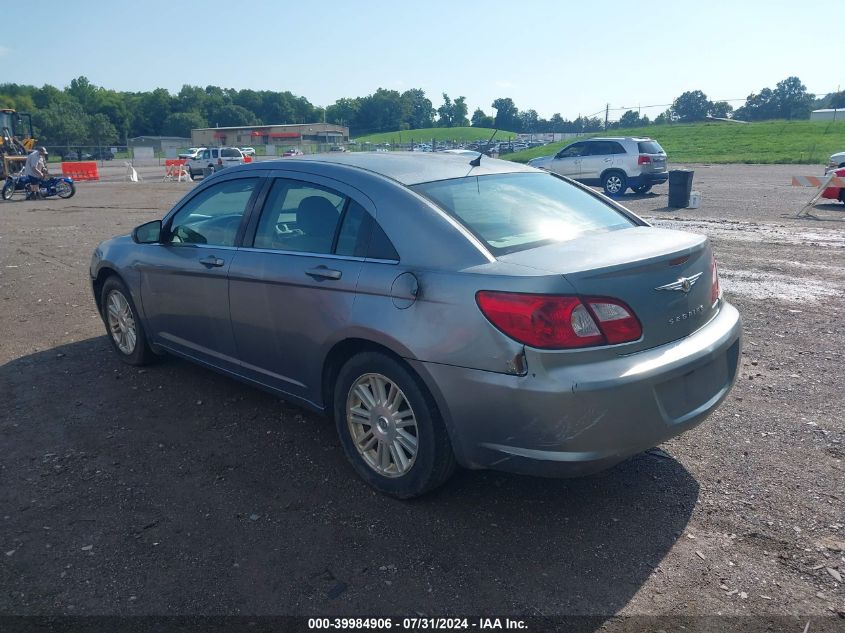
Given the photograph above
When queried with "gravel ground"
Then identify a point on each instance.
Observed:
(173, 490)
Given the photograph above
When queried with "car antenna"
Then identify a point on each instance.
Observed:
(476, 162)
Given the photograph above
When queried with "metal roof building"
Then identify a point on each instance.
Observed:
(287, 134)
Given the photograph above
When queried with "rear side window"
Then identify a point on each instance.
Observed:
(299, 216)
(512, 212)
(229, 152)
(649, 147)
(304, 217)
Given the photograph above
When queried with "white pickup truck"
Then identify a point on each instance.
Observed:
(213, 159)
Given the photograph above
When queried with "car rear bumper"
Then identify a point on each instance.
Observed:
(582, 418)
(657, 178)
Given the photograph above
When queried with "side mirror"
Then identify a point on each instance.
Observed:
(149, 233)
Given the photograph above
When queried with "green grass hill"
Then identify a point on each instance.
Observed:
(807, 142)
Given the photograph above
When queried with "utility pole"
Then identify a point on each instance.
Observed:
(606, 114)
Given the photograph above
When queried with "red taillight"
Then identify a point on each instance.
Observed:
(715, 289)
(616, 320)
(643, 160)
(559, 322)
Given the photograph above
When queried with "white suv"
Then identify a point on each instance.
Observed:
(615, 163)
(213, 159)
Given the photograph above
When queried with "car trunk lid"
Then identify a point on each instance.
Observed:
(644, 267)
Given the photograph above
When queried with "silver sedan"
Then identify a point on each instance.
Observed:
(443, 309)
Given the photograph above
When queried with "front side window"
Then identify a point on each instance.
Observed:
(512, 212)
(214, 215)
(576, 149)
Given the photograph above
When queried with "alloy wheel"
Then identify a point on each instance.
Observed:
(613, 183)
(121, 322)
(382, 425)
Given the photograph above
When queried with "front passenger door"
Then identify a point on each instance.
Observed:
(567, 162)
(597, 158)
(184, 279)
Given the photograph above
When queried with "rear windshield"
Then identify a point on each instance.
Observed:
(512, 212)
(650, 147)
(229, 152)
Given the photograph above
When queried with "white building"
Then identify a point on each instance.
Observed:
(828, 114)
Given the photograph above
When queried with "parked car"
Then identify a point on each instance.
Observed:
(337, 148)
(191, 153)
(615, 163)
(292, 151)
(835, 161)
(102, 154)
(213, 159)
(492, 316)
(71, 155)
(248, 151)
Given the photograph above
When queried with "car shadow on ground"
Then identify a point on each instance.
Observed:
(630, 195)
(172, 490)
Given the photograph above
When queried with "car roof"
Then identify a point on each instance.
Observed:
(619, 138)
(408, 168)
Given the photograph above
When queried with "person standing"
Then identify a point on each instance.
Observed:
(35, 169)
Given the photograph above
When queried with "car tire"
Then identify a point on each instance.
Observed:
(842, 196)
(390, 428)
(614, 183)
(641, 189)
(190, 174)
(123, 324)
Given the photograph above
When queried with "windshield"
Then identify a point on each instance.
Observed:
(512, 212)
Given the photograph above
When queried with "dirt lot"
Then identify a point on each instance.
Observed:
(172, 490)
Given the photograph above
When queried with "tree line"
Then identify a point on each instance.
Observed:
(83, 113)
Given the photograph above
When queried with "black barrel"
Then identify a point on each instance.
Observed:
(680, 187)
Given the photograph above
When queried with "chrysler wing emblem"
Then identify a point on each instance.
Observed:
(684, 284)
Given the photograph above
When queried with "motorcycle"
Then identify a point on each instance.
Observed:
(61, 186)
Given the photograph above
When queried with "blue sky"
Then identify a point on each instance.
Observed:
(559, 56)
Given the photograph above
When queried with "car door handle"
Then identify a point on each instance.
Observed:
(212, 261)
(321, 272)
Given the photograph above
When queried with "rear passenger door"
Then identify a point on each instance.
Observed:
(292, 286)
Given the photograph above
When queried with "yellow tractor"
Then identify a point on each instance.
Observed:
(16, 140)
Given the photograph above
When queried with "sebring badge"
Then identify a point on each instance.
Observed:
(684, 284)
